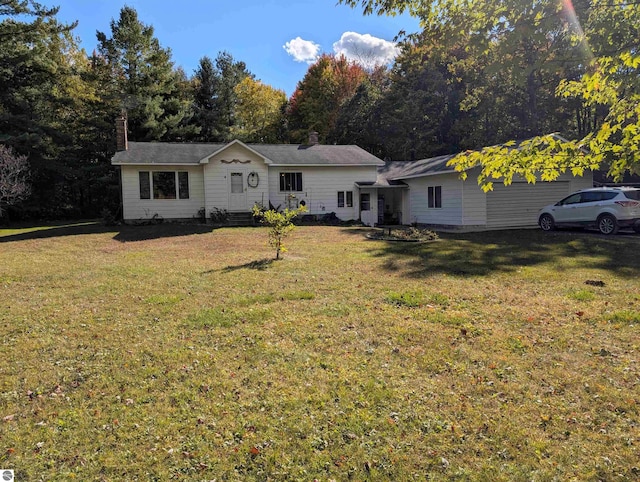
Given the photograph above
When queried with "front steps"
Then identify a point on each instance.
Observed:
(240, 219)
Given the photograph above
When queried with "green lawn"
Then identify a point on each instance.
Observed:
(178, 352)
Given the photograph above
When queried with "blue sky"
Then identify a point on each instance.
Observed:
(254, 31)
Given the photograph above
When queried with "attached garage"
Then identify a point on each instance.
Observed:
(462, 205)
(518, 204)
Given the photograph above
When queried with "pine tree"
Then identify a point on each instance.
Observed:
(215, 96)
(145, 79)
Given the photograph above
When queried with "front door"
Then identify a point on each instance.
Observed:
(237, 191)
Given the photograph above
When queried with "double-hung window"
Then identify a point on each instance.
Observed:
(434, 194)
(345, 199)
(290, 181)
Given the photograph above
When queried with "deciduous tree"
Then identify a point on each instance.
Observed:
(259, 109)
(573, 67)
(280, 225)
(14, 178)
(315, 104)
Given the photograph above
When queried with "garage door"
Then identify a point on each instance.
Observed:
(518, 204)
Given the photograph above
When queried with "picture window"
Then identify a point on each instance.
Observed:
(164, 184)
(290, 181)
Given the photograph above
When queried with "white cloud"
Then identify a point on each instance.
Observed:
(366, 49)
(302, 50)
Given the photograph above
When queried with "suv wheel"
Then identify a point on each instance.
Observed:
(607, 224)
(546, 222)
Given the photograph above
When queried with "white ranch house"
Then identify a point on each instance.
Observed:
(176, 180)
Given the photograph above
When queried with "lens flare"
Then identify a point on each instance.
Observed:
(574, 24)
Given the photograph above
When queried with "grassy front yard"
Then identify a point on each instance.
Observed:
(173, 352)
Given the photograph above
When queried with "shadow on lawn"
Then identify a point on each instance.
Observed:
(258, 265)
(480, 254)
(123, 233)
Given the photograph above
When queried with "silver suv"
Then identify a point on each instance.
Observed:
(606, 208)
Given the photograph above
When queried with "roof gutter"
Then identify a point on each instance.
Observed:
(426, 174)
(325, 165)
(153, 164)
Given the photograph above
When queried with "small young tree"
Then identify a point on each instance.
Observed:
(280, 225)
(14, 176)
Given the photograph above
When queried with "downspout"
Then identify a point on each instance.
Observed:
(121, 207)
(204, 191)
(463, 206)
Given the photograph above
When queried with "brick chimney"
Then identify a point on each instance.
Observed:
(121, 133)
(313, 138)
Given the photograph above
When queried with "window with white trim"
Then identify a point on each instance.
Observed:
(434, 194)
(164, 184)
(145, 185)
(290, 181)
(183, 185)
(345, 199)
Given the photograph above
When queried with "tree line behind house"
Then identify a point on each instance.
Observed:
(472, 77)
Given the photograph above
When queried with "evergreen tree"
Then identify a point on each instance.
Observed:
(358, 121)
(205, 117)
(27, 73)
(145, 79)
(215, 96)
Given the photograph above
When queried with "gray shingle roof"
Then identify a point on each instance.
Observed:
(164, 153)
(277, 154)
(396, 170)
(425, 167)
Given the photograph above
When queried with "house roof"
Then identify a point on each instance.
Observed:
(396, 170)
(164, 153)
(161, 153)
(383, 180)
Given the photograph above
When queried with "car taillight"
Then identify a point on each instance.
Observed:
(628, 204)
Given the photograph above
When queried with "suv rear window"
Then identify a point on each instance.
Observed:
(591, 196)
(635, 194)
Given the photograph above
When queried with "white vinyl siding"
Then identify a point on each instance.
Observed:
(464, 203)
(135, 208)
(217, 178)
(474, 202)
(451, 194)
(320, 185)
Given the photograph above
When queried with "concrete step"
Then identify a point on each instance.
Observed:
(240, 219)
